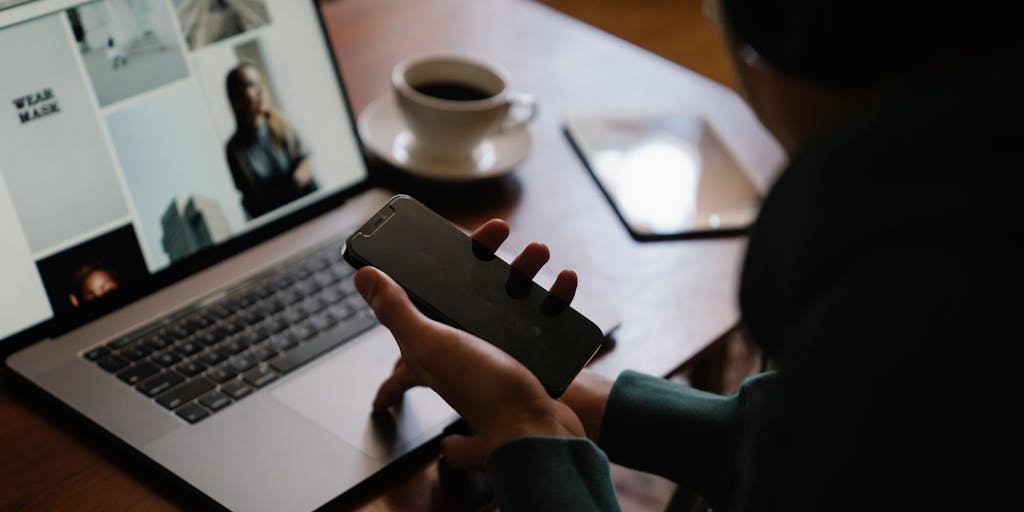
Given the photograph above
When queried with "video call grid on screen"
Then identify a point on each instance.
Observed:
(134, 133)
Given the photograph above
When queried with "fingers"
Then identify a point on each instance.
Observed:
(491, 234)
(494, 232)
(464, 452)
(391, 304)
(564, 287)
(532, 259)
(391, 391)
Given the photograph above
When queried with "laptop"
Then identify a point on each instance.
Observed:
(176, 181)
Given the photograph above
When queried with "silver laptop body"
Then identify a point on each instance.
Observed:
(129, 104)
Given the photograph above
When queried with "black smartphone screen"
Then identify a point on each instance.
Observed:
(454, 280)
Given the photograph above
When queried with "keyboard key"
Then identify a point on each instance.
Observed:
(190, 368)
(327, 340)
(188, 347)
(196, 323)
(294, 315)
(348, 287)
(308, 287)
(340, 311)
(342, 270)
(221, 374)
(97, 353)
(330, 295)
(157, 342)
(220, 331)
(283, 341)
(314, 304)
(136, 373)
(273, 305)
(260, 376)
(192, 413)
(220, 311)
(245, 300)
(253, 336)
(159, 383)
(112, 363)
(236, 389)
(247, 317)
(184, 393)
(275, 325)
(263, 352)
(242, 362)
(207, 338)
(322, 322)
(264, 291)
(323, 280)
(215, 400)
(166, 359)
(135, 351)
(303, 331)
(175, 333)
(290, 296)
(229, 347)
(210, 357)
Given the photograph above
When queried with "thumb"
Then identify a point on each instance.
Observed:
(390, 303)
(464, 452)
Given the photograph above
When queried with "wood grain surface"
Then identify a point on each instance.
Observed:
(673, 298)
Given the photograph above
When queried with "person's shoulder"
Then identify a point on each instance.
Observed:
(234, 142)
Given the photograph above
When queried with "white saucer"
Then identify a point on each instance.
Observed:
(384, 132)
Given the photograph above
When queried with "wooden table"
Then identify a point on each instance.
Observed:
(673, 298)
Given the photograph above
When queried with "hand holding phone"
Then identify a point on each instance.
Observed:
(458, 281)
(499, 398)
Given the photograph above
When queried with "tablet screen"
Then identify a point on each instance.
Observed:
(666, 176)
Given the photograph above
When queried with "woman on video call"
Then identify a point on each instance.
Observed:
(269, 165)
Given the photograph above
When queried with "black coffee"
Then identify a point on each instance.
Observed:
(452, 91)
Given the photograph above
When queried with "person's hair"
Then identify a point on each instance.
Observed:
(83, 272)
(279, 129)
(852, 43)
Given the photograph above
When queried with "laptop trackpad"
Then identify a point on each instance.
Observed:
(337, 391)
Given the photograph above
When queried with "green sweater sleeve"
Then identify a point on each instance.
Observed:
(686, 435)
(550, 473)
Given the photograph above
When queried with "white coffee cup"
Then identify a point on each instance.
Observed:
(451, 103)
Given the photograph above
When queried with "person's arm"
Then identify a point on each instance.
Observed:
(236, 169)
(303, 174)
(237, 176)
(541, 458)
(686, 435)
(550, 473)
(302, 170)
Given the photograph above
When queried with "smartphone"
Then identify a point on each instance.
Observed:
(455, 280)
(667, 176)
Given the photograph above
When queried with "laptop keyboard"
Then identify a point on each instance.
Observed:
(205, 358)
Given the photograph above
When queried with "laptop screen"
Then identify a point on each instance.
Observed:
(135, 134)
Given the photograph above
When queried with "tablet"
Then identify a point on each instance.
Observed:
(667, 176)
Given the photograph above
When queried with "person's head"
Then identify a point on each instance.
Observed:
(92, 281)
(804, 64)
(247, 93)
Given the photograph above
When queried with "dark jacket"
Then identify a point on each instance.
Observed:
(883, 276)
(275, 186)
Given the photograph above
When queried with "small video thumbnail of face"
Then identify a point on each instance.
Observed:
(128, 47)
(204, 22)
(82, 275)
